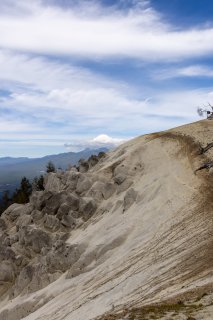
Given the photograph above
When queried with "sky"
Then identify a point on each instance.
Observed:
(77, 74)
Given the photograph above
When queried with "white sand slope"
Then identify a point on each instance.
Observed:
(155, 248)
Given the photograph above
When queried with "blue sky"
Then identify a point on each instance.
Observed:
(88, 73)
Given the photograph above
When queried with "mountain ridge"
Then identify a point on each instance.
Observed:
(130, 238)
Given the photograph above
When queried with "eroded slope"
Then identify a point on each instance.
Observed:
(134, 230)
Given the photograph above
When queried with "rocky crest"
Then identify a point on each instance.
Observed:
(127, 230)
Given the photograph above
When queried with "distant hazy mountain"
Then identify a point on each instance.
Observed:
(13, 169)
(9, 160)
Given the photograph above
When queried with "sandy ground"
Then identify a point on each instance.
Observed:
(158, 250)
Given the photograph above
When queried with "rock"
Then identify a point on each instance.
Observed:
(124, 186)
(68, 221)
(23, 279)
(51, 222)
(97, 190)
(24, 220)
(73, 202)
(6, 272)
(84, 184)
(14, 239)
(19, 260)
(120, 174)
(119, 178)
(87, 207)
(28, 208)
(53, 203)
(129, 198)
(108, 190)
(93, 160)
(34, 238)
(62, 257)
(39, 198)
(37, 215)
(3, 225)
(53, 182)
(63, 210)
(83, 166)
(72, 180)
(13, 212)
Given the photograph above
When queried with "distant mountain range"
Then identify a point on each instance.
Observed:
(13, 169)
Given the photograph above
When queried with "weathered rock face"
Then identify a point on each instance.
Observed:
(128, 231)
(33, 248)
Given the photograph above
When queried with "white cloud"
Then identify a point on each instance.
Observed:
(101, 141)
(93, 32)
(188, 71)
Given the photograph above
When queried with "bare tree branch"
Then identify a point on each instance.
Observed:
(209, 146)
(207, 165)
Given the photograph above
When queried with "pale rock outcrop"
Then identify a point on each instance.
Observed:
(51, 222)
(83, 166)
(13, 212)
(129, 198)
(68, 221)
(87, 207)
(53, 203)
(39, 198)
(84, 184)
(35, 238)
(97, 190)
(108, 190)
(53, 182)
(7, 273)
(72, 180)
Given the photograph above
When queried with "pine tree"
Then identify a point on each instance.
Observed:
(22, 194)
(50, 167)
(38, 183)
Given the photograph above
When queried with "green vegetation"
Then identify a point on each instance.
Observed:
(50, 167)
(23, 192)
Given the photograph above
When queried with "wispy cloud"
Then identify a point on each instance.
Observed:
(192, 71)
(57, 83)
(90, 30)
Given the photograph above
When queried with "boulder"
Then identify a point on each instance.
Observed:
(6, 272)
(39, 198)
(3, 225)
(84, 184)
(124, 186)
(13, 212)
(37, 215)
(24, 220)
(53, 182)
(63, 210)
(96, 191)
(62, 257)
(129, 198)
(73, 202)
(119, 178)
(83, 166)
(87, 207)
(68, 221)
(72, 180)
(23, 279)
(93, 160)
(51, 222)
(34, 238)
(108, 190)
(52, 204)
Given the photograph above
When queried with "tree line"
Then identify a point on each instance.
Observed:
(24, 191)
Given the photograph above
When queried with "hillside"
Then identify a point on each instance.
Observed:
(131, 238)
(31, 167)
